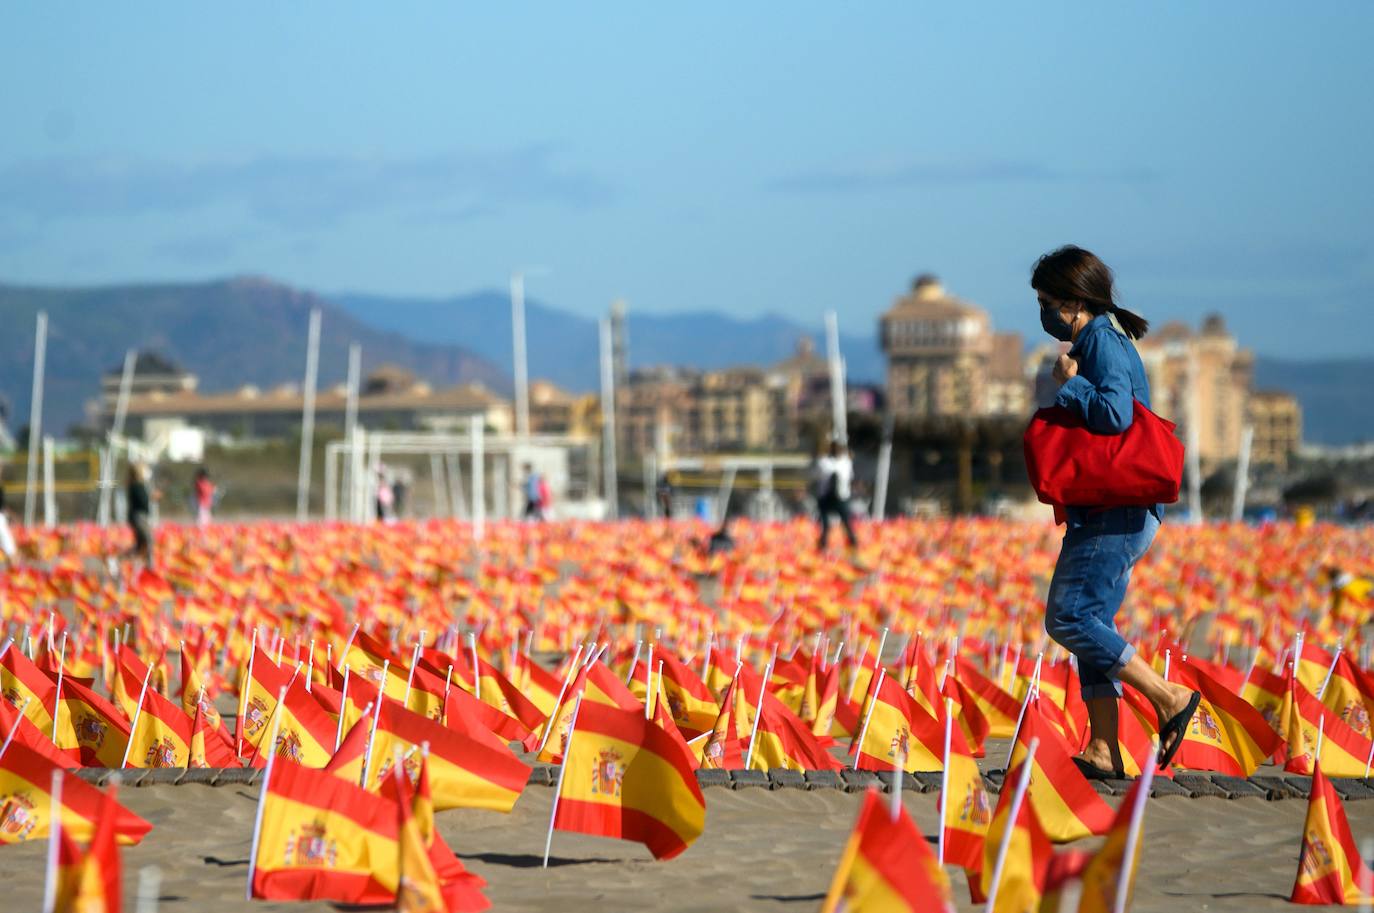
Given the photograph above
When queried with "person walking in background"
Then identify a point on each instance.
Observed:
(7, 546)
(534, 493)
(204, 494)
(834, 476)
(386, 497)
(1100, 378)
(140, 508)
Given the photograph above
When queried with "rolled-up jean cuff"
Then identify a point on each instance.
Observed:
(1110, 688)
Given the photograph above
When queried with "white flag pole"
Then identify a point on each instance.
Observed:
(1020, 717)
(9, 736)
(863, 730)
(40, 349)
(563, 690)
(476, 672)
(1016, 799)
(562, 770)
(634, 661)
(944, 781)
(312, 365)
(1127, 875)
(57, 694)
(138, 711)
(244, 687)
(343, 710)
(753, 733)
(54, 842)
(262, 799)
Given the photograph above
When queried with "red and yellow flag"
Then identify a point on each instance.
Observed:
(887, 866)
(1344, 752)
(896, 726)
(1028, 856)
(998, 708)
(26, 802)
(783, 741)
(624, 777)
(323, 838)
(91, 726)
(1066, 805)
(1330, 869)
(966, 809)
(1226, 734)
(90, 880)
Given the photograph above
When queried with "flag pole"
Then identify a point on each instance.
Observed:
(262, 798)
(758, 714)
(863, 730)
(54, 842)
(944, 781)
(634, 661)
(1016, 799)
(1321, 734)
(138, 711)
(448, 682)
(343, 710)
(476, 673)
(549, 724)
(372, 735)
(1330, 670)
(562, 770)
(1123, 883)
(898, 768)
(57, 694)
(9, 736)
(1020, 717)
(648, 684)
(243, 695)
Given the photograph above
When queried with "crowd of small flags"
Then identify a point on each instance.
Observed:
(381, 675)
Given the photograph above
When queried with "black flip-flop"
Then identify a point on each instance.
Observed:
(1178, 723)
(1091, 771)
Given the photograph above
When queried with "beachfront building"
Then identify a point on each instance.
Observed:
(1277, 419)
(1204, 376)
(938, 351)
(152, 373)
(391, 399)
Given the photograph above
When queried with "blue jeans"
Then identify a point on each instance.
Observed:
(1100, 548)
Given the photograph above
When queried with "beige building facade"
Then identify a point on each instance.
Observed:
(1277, 419)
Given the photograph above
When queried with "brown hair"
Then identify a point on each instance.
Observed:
(1074, 274)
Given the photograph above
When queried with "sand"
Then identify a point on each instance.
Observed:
(761, 851)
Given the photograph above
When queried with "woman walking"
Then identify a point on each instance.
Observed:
(139, 509)
(1100, 377)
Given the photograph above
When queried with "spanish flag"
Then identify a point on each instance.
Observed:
(624, 777)
(1066, 805)
(690, 703)
(195, 693)
(208, 748)
(964, 804)
(25, 733)
(1330, 869)
(417, 889)
(725, 746)
(89, 880)
(1029, 852)
(1349, 695)
(896, 726)
(464, 772)
(1101, 877)
(26, 802)
(599, 685)
(887, 866)
(1267, 693)
(160, 734)
(21, 680)
(783, 741)
(998, 708)
(1344, 752)
(320, 837)
(1226, 734)
(305, 733)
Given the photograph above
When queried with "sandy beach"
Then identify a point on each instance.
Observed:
(761, 851)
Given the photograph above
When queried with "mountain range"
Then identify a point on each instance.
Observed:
(253, 330)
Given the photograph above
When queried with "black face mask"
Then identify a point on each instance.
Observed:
(1055, 325)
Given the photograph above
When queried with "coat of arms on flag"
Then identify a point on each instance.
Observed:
(310, 845)
(608, 773)
(17, 818)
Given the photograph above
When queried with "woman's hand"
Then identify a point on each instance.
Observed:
(1064, 368)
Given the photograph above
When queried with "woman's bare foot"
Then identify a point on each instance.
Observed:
(1099, 754)
(1175, 703)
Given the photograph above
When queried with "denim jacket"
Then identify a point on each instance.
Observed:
(1110, 377)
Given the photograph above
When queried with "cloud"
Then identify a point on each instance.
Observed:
(300, 192)
(871, 177)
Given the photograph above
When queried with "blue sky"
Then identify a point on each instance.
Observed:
(741, 157)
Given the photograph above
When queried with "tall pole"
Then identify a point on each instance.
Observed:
(879, 510)
(839, 418)
(312, 364)
(107, 469)
(40, 353)
(522, 380)
(1194, 438)
(608, 423)
(479, 480)
(1247, 439)
(49, 488)
(355, 367)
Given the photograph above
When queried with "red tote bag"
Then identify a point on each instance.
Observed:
(1072, 466)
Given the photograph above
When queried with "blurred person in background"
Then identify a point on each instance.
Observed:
(534, 493)
(834, 477)
(7, 547)
(140, 510)
(203, 492)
